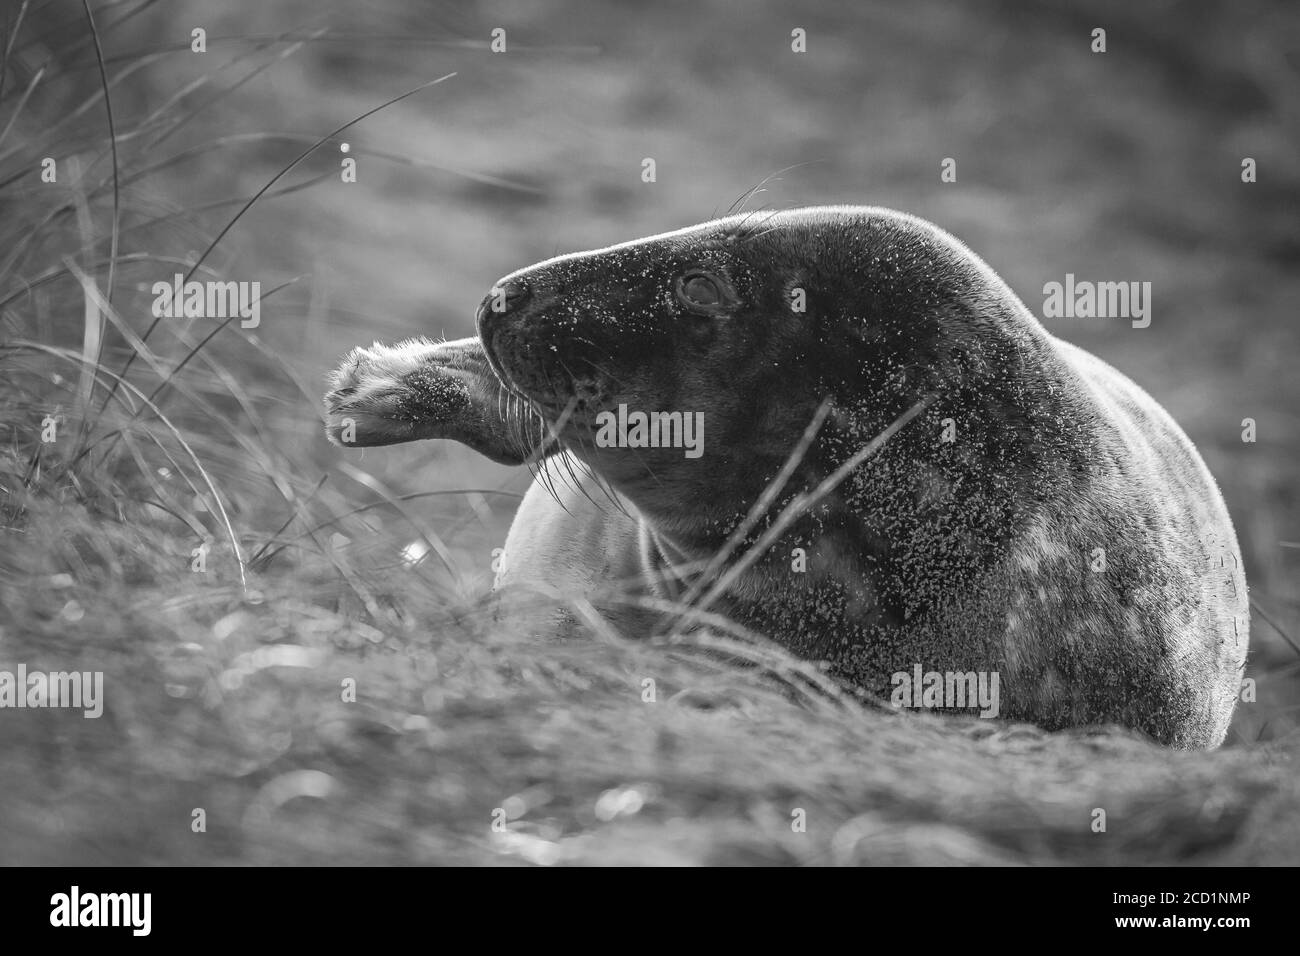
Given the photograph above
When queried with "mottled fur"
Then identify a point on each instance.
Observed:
(973, 554)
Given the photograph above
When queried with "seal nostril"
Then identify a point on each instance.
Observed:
(516, 292)
(508, 295)
(502, 298)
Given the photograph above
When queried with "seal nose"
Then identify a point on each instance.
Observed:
(504, 297)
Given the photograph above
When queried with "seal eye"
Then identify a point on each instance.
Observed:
(700, 290)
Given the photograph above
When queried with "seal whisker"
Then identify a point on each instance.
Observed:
(759, 187)
(521, 416)
(636, 451)
(567, 461)
(583, 445)
(740, 229)
(753, 235)
(602, 484)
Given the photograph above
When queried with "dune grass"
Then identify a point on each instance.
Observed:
(298, 650)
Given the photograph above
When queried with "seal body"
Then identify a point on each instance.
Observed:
(1040, 518)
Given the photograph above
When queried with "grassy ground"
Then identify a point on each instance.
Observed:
(226, 696)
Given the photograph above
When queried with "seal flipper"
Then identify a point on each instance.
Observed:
(386, 395)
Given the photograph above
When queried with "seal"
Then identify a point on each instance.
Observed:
(900, 470)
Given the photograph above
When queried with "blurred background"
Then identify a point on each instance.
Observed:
(1117, 166)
